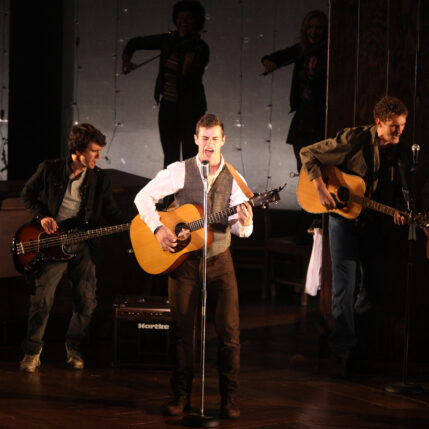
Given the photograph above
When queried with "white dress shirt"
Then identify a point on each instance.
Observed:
(171, 180)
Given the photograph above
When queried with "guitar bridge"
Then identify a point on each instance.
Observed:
(183, 234)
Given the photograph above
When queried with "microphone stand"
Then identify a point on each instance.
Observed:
(200, 419)
(405, 388)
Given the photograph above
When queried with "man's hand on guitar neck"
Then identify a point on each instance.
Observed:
(49, 225)
(245, 214)
(399, 219)
(166, 238)
(324, 196)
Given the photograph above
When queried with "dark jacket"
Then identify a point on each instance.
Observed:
(190, 88)
(43, 193)
(308, 92)
(293, 55)
(356, 151)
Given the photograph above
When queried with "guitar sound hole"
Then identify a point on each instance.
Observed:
(183, 234)
(343, 194)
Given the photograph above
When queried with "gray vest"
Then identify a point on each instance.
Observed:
(217, 200)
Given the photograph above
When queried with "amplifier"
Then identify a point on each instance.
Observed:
(141, 331)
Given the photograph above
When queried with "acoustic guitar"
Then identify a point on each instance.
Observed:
(348, 191)
(187, 223)
(32, 246)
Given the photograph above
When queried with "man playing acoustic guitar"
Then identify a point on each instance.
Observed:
(184, 180)
(59, 191)
(371, 152)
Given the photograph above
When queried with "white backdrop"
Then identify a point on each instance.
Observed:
(239, 33)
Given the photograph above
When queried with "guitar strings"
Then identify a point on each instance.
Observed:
(197, 224)
(29, 246)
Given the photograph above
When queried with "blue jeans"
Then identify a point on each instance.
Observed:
(81, 273)
(356, 271)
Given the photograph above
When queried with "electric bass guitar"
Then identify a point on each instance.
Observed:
(348, 191)
(187, 223)
(32, 246)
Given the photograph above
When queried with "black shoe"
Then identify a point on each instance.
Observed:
(229, 410)
(178, 406)
(338, 367)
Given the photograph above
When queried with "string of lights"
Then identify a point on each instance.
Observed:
(116, 90)
(239, 122)
(270, 103)
(4, 11)
(120, 12)
(78, 67)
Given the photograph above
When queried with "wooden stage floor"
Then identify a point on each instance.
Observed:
(283, 384)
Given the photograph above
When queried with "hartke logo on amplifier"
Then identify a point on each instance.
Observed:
(150, 326)
(142, 331)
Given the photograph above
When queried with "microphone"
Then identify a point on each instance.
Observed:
(415, 149)
(205, 169)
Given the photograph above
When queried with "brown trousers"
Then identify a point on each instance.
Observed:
(184, 287)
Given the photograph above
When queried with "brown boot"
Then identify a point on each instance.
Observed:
(229, 409)
(178, 406)
(74, 358)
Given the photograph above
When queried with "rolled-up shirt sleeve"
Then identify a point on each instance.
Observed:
(332, 151)
(238, 197)
(166, 182)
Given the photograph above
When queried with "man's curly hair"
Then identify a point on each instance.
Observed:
(81, 135)
(194, 8)
(388, 107)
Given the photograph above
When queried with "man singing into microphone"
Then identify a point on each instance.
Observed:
(185, 180)
(358, 246)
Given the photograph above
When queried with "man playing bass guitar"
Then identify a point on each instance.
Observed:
(184, 180)
(58, 191)
(371, 152)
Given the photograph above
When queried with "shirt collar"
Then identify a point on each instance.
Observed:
(222, 163)
(211, 178)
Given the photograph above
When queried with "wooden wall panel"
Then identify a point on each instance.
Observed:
(340, 112)
(372, 52)
(402, 55)
(422, 101)
(420, 293)
(372, 58)
(342, 64)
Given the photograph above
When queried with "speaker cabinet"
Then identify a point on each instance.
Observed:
(141, 331)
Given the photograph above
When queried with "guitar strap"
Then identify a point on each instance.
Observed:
(405, 190)
(246, 190)
(90, 197)
(371, 173)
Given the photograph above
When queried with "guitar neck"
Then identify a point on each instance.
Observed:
(374, 205)
(257, 200)
(213, 218)
(77, 237)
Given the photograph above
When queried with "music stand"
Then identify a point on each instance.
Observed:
(201, 419)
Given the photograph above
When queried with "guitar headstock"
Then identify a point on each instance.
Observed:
(422, 220)
(272, 196)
